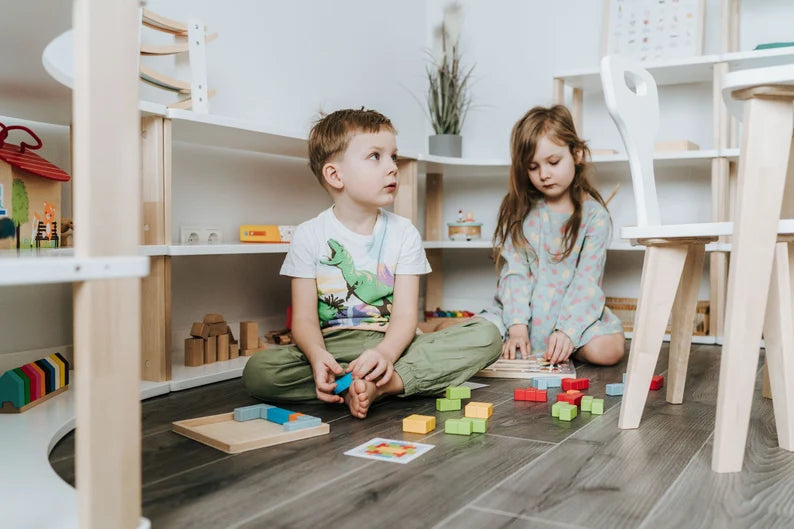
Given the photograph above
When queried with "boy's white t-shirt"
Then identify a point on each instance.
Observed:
(354, 272)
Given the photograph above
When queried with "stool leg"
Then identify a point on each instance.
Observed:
(762, 170)
(683, 316)
(661, 272)
(779, 340)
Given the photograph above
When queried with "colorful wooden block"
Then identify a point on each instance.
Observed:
(49, 374)
(458, 426)
(35, 382)
(343, 383)
(575, 383)
(614, 390)
(539, 383)
(657, 382)
(568, 413)
(555, 408)
(458, 392)
(419, 424)
(587, 401)
(539, 395)
(295, 416)
(520, 394)
(597, 407)
(278, 415)
(304, 421)
(571, 398)
(553, 382)
(444, 404)
(26, 381)
(478, 425)
(482, 410)
(12, 389)
(254, 411)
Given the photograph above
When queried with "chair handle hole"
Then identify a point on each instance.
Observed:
(635, 83)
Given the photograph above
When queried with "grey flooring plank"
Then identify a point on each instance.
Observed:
(476, 518)
(605, 477)
(758, 496)
(416, 495)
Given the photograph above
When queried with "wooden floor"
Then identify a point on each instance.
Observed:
(529, 470)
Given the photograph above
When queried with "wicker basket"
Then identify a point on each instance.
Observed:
(625, 309)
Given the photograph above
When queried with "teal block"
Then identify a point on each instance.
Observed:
(458, 392)
(458, 426)
(539, 383)
(614, 390)
(447, 404)
(553, 382)
(26, 381)
(304, 421)
(597, 407)
(278, 415)
(12, 389)
(586, 402)
(568, 413)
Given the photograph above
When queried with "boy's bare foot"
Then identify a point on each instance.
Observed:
(360, 396)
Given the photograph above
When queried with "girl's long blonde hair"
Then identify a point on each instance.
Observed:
(522, 196)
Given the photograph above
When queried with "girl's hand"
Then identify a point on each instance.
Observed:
(517, 341)
(559, 349)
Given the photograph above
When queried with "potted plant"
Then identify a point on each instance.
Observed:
(448, 97)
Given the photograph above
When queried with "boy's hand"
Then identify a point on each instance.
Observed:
(370, 365)
(559, 349)
(517, 341)
(325, 367)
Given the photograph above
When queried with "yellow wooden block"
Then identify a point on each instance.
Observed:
(419, 424)
(479, 410)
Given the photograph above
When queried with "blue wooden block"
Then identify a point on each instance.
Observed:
(343, 383)
(254, 411)
(304, 421)
(615, 390)
(553, 382)
(539, 383)
(278, 415)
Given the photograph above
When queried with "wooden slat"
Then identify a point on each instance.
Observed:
(434, 208)
(107, 313)
(405, 203)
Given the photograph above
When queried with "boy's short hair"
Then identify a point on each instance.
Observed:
(331, 134)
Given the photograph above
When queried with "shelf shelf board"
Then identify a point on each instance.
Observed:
(183, 377)
(231, 133)
(36, 267)
(226, 249)
(740, 60)
(674, 71)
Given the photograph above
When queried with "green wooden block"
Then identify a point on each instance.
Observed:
(597, 407)
(477, 425)
(555, 408)
(587, 400)
(458, 392)
(568, 413)
(457, 427)
(447, 404)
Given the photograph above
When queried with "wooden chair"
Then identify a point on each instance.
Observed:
(673, 263)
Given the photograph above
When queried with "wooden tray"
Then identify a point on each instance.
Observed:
(226, 434)
(526, 369)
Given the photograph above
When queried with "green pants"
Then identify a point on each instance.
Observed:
(431, 362)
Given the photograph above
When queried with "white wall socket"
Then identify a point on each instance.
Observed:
(200, 235)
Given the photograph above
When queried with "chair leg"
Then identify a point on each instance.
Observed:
(661, 272)
(779, 340)
(766, 139)
(683, 315)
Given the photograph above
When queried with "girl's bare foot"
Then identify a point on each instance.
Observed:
(360, 396)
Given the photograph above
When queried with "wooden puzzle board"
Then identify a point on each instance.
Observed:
(230, 436)
(534, 366)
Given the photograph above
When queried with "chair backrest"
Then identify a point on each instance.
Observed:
(633, 102)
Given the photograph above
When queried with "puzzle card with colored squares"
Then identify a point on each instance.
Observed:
(390, 450)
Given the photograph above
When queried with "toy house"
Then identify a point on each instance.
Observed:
(30, 193)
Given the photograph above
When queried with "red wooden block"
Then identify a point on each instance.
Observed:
(657, 382)
(571, 398)
(575, 383)
(540, 395)
(519, 394)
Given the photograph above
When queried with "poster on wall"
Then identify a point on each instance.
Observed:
(654, 30)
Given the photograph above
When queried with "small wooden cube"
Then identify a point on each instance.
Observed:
(478, 425)
(555, 408)
(657, 382)
(234, 350)
(249, 339)
(458, 392)
(199, 330)
(213, 318)
(444, 404)
(482, 410)
(614, 390)
(570, 398)
(210, 350)
(222, 348)
(587, 401)
(194, 352)
(568, 413)
(419, 424)
(216, 329)
(520, 394)
(597, 407)
(458, 426)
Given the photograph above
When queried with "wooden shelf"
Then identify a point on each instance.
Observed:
(183, 377)
(740, 60)
(457, 245)
(35, 267)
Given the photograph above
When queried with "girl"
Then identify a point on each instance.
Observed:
(551, 241)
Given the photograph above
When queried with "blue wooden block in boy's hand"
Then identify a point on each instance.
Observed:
(343, 383)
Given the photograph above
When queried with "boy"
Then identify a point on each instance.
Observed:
(355, 286)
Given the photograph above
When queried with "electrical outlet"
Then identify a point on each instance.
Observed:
(211, 236)
(200, 235)
(190, 235)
